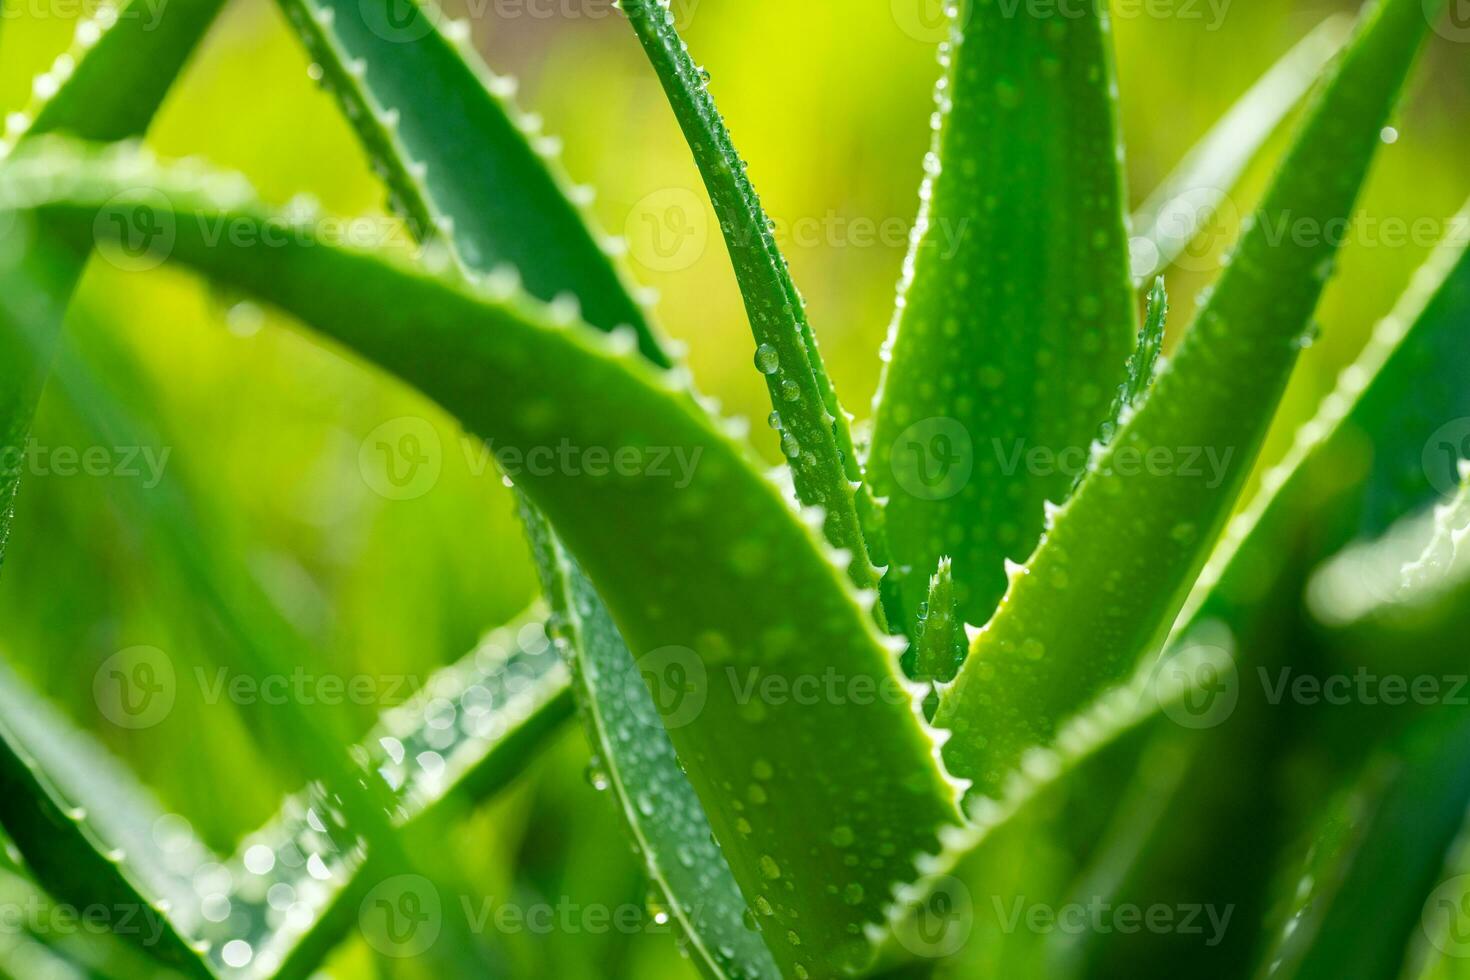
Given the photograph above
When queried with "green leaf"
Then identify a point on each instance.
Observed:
(1121, 554)
(462, 164)
(121, 66)
(815, 437)
(87, 831)
(423, 164)
(1017, 310)
(1308, 506)
(119, 73)
(507, 696)
(634, 756)
(1368, 884)
(1184, 204)
(1419, 566)
(774, 610)
(1143, 364)
(1385, 419)
(466, 734)
(939, 636)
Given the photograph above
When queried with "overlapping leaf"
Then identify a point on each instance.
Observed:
(435, 168)
(805, 777)
(1122, 553)
(815, 437)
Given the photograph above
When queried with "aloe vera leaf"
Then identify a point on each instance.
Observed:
(1308, 507)
(510, 373)
(940, 644)
(461, 162)
(1125, 548)
(815, 435)
(1170, 219)
(1016, 310)
(1369, 882)
(86, 831)
(370, 72)
(107, 87)
(636, 757)
(467, 733)
(1143, 364)
(506, 696)
(1405, 575)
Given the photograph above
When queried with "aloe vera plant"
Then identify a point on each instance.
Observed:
(815, 698)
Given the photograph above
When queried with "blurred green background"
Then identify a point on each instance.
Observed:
(264, 429)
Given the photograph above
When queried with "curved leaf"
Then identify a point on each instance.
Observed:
(108, 86)
(89, 832)
(857, 763)
(423, 160)
(469, 730)
(460, 161)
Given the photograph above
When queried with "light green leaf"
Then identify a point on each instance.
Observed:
(1409, 572)
(466, 734)
(89, 832)
(1392, 412)
(815, 437)
(858, 763)
(1017, 310)
(1121, 554)
(1143, 364)
(1189, 198)
(109, 86)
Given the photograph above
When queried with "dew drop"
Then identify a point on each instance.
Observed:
(767, 360)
